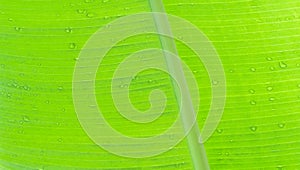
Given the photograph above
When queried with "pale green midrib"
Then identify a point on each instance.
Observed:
(196, 149)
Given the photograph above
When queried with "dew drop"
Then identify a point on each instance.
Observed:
(252, 91)
(81, 11)
(252, 102)
(271, 99)
(26, 119)
(180, 37)
(281, 125)
(269, 59)
(60, 88)
(90, 15)
(220, 130)
(59, 140)
(252, 69)
(18, 29)
(72, 45)
(269, 88)
(68, 30)
(123, 85)
(215, 82)
(135, 77)
(104, 1)
(298, 85)
(253, 128)
(279, 167)
(25, 87)
(282, 65)
(272, 68)
(8, 95)
(21, 131)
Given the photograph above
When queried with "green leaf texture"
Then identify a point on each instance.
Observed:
(258, 44)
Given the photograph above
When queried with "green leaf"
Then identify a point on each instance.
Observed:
(257, 42)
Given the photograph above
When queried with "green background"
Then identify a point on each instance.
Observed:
(258, 43)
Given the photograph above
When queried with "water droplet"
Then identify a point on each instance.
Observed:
(252, 102)
(81, 11)
(135, 77)
(8, 95)
(72, 45)
(60, 88)
(271, 99)
(272, 68)
(253, 128)
(123, 85)
(150, 81)
(299, 85)
(269, 88)
(104, 1)
(231, 71)
(47, 101)
(76, 59)
(106, 17)
(180, 37)
(280, 167)
(298, 65)
(26, 119)
(10, 19)
(251, 91)
(18, 29)
(126, 8)
(59, 140)
(68, 30)
(90, 15)
(26, 88)
(215, 82)
(252, 69)
(21, 131)
(269, 59)
(92, 106)
(281, 125)
(219, 130)
(195, 71)
(282, 65)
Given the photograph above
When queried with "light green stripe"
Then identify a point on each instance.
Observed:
(197, 149)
